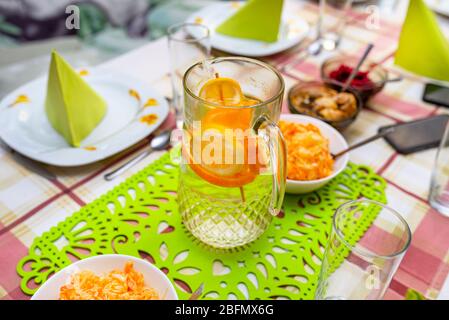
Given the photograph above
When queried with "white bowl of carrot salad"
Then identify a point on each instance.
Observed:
(310, 145)
(108, 277)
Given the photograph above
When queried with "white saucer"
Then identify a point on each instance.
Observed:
(439, 6)
(26, 129)
(293, 31)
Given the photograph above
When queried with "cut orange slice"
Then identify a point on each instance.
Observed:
(226, 92)
(222, 119)
(222, 91)
(235, 181)
(221, 173)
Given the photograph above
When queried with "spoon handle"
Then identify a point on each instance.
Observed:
(128, 165)
(357, 68)
(364, 142)
(398, 79)
(312, 49)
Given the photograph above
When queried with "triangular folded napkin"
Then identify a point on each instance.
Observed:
(423, 48)
(73, 108)
(257, 20)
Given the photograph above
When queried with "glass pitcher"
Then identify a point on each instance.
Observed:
(228, 196)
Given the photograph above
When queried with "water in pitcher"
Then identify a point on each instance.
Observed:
(223, 205)
(224, 201)
(218, 215)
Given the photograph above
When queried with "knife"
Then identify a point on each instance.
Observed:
(28, 163)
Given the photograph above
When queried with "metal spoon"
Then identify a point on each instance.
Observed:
(364, 142)
(159, 142)
(357, 68)
(398, 79)
(313, 49)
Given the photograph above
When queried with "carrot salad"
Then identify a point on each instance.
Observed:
(116, 285)
(308, 156)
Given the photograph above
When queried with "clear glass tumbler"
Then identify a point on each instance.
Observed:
(439, 186)
(332, 21)
(188, 43)
(366, 245)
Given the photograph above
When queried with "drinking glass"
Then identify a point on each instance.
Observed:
(332, 20)
(228, 203)
(188, 43)
(366, 245)
(439, 186)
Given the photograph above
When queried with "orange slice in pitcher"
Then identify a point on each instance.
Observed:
(227, 92)
(222, 91)
(221, 173)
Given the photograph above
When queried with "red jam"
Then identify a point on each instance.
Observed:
(343, 73)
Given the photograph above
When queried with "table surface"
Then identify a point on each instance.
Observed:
(30, 204)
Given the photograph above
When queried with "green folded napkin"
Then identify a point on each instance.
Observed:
(257, 20)
(423, 48)
(414, 295)
(73, 108)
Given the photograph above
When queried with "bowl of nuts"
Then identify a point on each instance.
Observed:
(315, 99)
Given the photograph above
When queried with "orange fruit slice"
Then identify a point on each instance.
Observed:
(222, 91)
(234, 173)
(223, 174)
(222, 119)
(235, 181)
(227, 92)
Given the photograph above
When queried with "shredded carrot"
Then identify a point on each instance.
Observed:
(308, 156)
(117, 285)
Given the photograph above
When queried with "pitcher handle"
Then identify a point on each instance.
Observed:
(272, 136)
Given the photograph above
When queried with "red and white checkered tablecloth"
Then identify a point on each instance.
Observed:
(30, 205)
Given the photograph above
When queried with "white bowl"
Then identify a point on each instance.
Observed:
(103, 264)
(337, 143)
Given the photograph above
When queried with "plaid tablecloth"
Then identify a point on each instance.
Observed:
(30, 205)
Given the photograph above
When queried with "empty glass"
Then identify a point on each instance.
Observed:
(439, 187)
(331, 22)
(188, 43)
(367, 243)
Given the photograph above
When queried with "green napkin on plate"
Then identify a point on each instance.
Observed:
(73, 108)
(257, 20)
(423, 48)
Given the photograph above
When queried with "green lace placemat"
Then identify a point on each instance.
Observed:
(140, 218)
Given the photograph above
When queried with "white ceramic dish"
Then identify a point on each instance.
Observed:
(406, 73)
(26, 129)
(103, 264)
(337, 144)
(293, 30)
(439, 6)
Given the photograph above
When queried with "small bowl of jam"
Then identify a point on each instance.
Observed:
(368, 82)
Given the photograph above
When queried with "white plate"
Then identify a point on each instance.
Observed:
(410, 74)
(26, 129)
(439, 6)
(337, 143)
(102, 265)
(293, 30)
